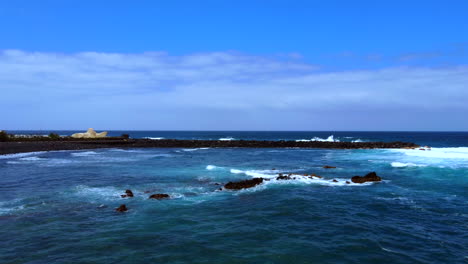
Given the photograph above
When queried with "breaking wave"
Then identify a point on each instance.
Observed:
(226, 139)
(271, 176)
(211, 167)
(328, 139)
(194, 149)
(437, 153)
(84, 154)
(397, 164)
(19, 155)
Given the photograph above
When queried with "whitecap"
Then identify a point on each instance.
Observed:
(226, 139)
(84, 153)
(211, 167)
(34, 158)
(397, 164)
(154, 138)
(328, 139)
(106, 193)
(194, 149)
(271, 176)
(20, 155)
(8, 207)
(438, 153)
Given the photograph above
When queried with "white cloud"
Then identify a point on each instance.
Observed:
(222, 90)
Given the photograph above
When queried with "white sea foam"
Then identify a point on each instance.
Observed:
(437, 153)
(194, 149)
(328, 139)
(226, 139)
(33, 158)
(397, 164)
(106, 193)
(20, 155)
(7, 207)
(84, 154)
(357, 140)
(296, 178)
(154, 138)
(211, 167)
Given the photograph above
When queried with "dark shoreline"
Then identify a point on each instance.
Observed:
(51, 145)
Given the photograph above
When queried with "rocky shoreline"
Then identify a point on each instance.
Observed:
(51, 145)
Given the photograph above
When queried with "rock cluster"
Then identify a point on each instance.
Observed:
(370, 177)
(128, 193)
(243, 184)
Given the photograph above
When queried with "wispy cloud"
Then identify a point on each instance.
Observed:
(222, 90)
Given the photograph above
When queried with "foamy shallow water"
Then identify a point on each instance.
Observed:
(58, 206)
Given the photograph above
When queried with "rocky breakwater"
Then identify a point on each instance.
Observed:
(70, 143)
(174, 143)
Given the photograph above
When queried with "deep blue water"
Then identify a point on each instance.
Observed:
(58, 207)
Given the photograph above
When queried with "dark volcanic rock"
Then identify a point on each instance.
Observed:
(370, 177)
(283, 177)
(243, 184)
(24, 145)
(334, 180)
(129, 193)
(159, 196)
(329, 167)
(122, 208)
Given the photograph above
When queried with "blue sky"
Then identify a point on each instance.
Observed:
(236, 65)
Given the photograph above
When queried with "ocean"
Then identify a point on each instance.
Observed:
(59, 207)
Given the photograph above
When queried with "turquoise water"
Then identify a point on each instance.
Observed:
(59, 206)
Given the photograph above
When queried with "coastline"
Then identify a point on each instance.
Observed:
(53, 145)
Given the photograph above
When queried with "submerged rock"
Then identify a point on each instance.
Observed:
(370, 177)
(159, 196)
(334, 180)
(122, 208)
(243, 184)
(129, 193)
(329, 167)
